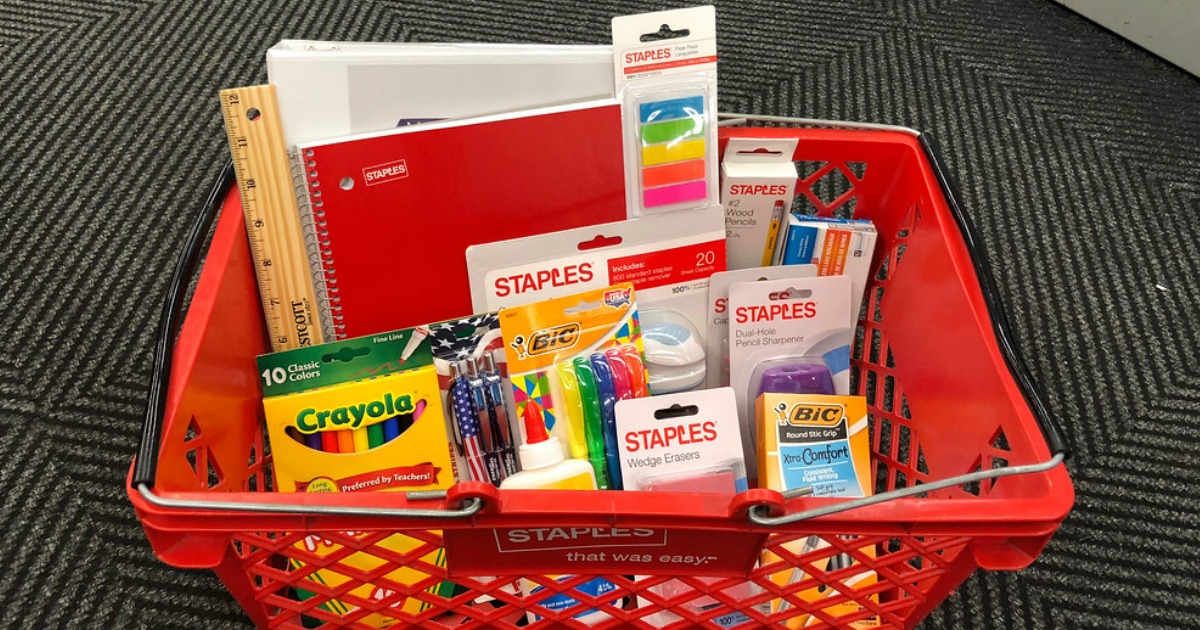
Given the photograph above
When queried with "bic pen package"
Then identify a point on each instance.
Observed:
(574, 357)
(468, 354)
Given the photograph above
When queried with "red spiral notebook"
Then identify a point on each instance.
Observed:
(392, 213)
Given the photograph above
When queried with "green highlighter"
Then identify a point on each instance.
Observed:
(593, 427)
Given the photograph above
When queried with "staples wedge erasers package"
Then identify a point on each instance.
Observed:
(787, 336)
(668, 258)
(331, 89)
(718, 312)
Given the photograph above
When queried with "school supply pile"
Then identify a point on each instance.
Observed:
(601, 298)
(538, 278)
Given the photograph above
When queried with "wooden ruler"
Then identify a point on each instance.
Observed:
(264, 176)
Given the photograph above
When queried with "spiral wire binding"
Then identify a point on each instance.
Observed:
(316, 242)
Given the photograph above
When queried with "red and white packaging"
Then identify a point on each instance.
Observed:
(668, 258)
(665, 70)
(758, 179)
(717, 334)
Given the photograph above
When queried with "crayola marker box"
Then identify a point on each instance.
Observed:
(823, 442)
(379, 434)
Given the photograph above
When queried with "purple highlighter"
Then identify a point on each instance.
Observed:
(797, 378)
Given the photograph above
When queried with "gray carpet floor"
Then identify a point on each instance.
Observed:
(1076, 154)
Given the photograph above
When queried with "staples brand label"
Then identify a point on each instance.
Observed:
(383, 173)
(544, 538)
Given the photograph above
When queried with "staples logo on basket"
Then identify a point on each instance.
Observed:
(383, 173)
(553, 538)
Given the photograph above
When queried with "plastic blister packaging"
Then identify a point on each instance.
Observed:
(670, 128)
(674, 348)
(666, 79)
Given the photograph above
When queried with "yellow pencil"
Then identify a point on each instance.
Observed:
(773, 233)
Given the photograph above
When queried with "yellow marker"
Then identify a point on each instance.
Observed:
(362, 442)
(672, 152)
(773, 233)
(572, 410)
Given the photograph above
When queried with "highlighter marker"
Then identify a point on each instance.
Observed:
(329, 442)
(773, 233)
(572, 410)
(375, 435)
(637, 370)
(622, 379)
(593, 422)
(495, 399)
(345, 440)
(608, 403)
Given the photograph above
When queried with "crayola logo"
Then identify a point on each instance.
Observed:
(809, 414)
(557, 338)
(313, 420)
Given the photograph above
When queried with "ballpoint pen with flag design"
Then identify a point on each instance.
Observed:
(467, 422)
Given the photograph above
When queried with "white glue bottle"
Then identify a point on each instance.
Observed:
(542, 463)
(543, 467)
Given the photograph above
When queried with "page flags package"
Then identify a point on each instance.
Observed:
(668, 258)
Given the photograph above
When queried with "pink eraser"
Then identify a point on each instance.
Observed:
(704, 482)
(675, 193)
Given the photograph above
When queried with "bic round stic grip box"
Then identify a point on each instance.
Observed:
(818, 441)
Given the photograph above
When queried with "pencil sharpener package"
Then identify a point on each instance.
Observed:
(717, 354)
(787, 336)
(666, 77)
(667, 258)
(377, 434)
(574, 357)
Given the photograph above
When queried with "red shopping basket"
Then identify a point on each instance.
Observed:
(966, 461)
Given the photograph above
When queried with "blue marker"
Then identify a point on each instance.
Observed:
(607, 391)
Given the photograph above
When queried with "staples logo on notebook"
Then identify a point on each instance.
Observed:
(384, 173)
